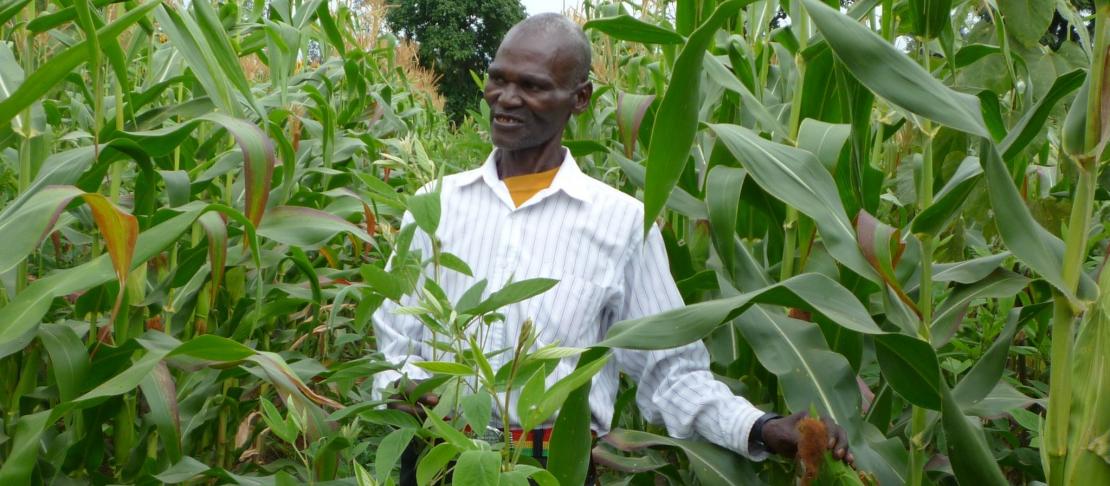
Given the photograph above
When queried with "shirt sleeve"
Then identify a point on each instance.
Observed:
(400, 337)
(675, 386)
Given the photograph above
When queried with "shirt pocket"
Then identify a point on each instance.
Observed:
(569, 314)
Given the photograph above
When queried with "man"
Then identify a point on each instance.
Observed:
(529, 212)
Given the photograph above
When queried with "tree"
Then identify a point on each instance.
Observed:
(455, 37)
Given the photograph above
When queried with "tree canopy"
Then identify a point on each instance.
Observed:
(455, 37)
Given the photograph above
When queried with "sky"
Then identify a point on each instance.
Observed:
(539, 6)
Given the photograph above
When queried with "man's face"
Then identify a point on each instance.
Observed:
(531, 91)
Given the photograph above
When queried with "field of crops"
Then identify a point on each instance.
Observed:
(889, 212)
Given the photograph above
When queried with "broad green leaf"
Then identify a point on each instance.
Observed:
(389, 451)
(1027, 239)
(1026, 20)
(1033, 121)
(824, 140)
(1000, 283)
(210, 347)
(969, 271)
(478, 409)
(796, 177)
(185, 469)
(219, 47)
(987, 371)
(811, 291)
(390, 285)
(215, 227)
(910, 366)
(68, 359)
(511, 294)
(712, 465)
(680, 201)
(19, 464)
(306, 227)
(631, 29)
(527, 404)
(425, 209)
(554, 397)
(446, 368)
(568, 459)
(448, 433)
(950, 200)
(971, 457)
(889, 73)
(24, 229)
(929, 17)
(721, 75)
(478, 468)
(676, 122)
(189, 41)
(433, 462)
(722, 199)
(60, 65)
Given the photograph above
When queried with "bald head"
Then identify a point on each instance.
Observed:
(566, 37)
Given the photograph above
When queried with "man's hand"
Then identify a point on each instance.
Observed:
(405, 402)
(781, 436)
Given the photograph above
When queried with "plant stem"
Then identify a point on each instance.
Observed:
(1065, 312)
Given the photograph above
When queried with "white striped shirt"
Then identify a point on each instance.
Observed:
(590, 237)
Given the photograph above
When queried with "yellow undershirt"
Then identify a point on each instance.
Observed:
(523, 187)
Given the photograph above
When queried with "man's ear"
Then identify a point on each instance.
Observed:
(582, 97)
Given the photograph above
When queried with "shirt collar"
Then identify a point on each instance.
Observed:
(569, 179)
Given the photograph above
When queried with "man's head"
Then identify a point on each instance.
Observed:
(538, 79)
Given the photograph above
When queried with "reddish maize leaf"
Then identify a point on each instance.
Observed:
(631, 109)
(215, 226)
(882, 246)
(258, 162)
(120, 230)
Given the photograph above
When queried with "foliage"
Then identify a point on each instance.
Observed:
(205, 199)
(456, 38)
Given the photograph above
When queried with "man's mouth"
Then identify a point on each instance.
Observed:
(506, 120)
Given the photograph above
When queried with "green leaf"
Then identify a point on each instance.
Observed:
(210, 347)
(824, 140)
(185, 469)
(569, 456)
(889, 73)
(478, 410)
(390, 285)
(511, 294)
(555, 396)
(449, 433)
(680, 201)
(796, 177)
(929, 17)
(25, 228)
(425, 209)
(987, 371)
(971, 457)
(20, 462)
(306, 227)
(449, 260)
(711, 464)
(1027, 239)
(722, 198)
(910, 366)
(433, 463)
(68, 359)
(478, 468)
(631, 29)
(676, 122)
(1033, 121)
(950, 200)
(969, 271)
(528, 402)
(1026, 20)
(389, 451)
(811, 291)
(999, 284)
(61, 65)
(446, 368)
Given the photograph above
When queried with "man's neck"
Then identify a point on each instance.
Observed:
(511, 163)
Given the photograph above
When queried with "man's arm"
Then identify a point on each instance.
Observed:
(675, 385)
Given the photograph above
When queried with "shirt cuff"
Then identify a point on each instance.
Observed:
(741, 429)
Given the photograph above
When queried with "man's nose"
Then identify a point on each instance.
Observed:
(509, 96)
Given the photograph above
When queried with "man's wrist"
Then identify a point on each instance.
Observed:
(755, 437)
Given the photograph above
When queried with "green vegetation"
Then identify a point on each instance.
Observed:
(895, 220)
